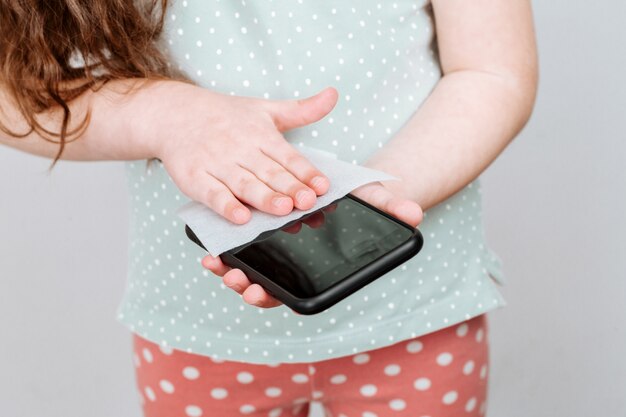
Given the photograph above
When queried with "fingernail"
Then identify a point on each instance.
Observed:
(317, 181)
(279, 201)
(301, 196)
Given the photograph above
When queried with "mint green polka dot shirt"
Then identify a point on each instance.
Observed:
(381, 57)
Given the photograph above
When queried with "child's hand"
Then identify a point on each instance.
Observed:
(375, 193)
(224, 150)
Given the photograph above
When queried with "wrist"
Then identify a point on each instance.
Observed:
(152, 114)
(130, 117)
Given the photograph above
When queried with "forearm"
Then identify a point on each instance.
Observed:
(109, 134)
(461, 128)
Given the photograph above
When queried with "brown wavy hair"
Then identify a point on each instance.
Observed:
(52, 51)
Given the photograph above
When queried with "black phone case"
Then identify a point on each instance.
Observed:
(339, 290)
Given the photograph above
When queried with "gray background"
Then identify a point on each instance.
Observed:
(554, 203)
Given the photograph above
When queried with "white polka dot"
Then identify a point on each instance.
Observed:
(166, 386)
(479, 335)
(392, 370)
(468, 368)
(338, 379)
(422, 384)
(275, 412)
(462, 330)
(166, 350)
(483, 372)
(450, 397)
(193, 411)
(369, 414)
(397, 404)
(219, 393)
(147, 355)
(300, 378)
(368, 390)
(247, 409)
(414, 346)
(470, 405)
(150, 394)
(273, 392)
(444, 359)
(361, 358)
(191, 373)
(245, 377)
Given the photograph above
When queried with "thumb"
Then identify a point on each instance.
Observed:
(289, 114)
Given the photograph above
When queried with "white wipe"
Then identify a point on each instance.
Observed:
(219, 235)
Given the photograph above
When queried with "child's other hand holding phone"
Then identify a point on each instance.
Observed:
(375, 194)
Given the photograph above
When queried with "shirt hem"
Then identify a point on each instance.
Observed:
(409, 326)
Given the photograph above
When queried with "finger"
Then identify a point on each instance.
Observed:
(257, 296)
(380, 197)
(208, 190)
(373, 193)
(287, 156)
(251, 190)
(236, 280)
(289, 114)
(215, 265)
(278, 177)
(408, 211)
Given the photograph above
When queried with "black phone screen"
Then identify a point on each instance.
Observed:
(308, 256)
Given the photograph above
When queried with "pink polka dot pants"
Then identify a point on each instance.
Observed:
(442, 374)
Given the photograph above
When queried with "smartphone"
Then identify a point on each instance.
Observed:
(314, 262)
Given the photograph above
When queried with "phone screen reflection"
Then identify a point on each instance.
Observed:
(310, 255)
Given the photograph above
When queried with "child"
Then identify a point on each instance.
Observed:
(220, 110)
